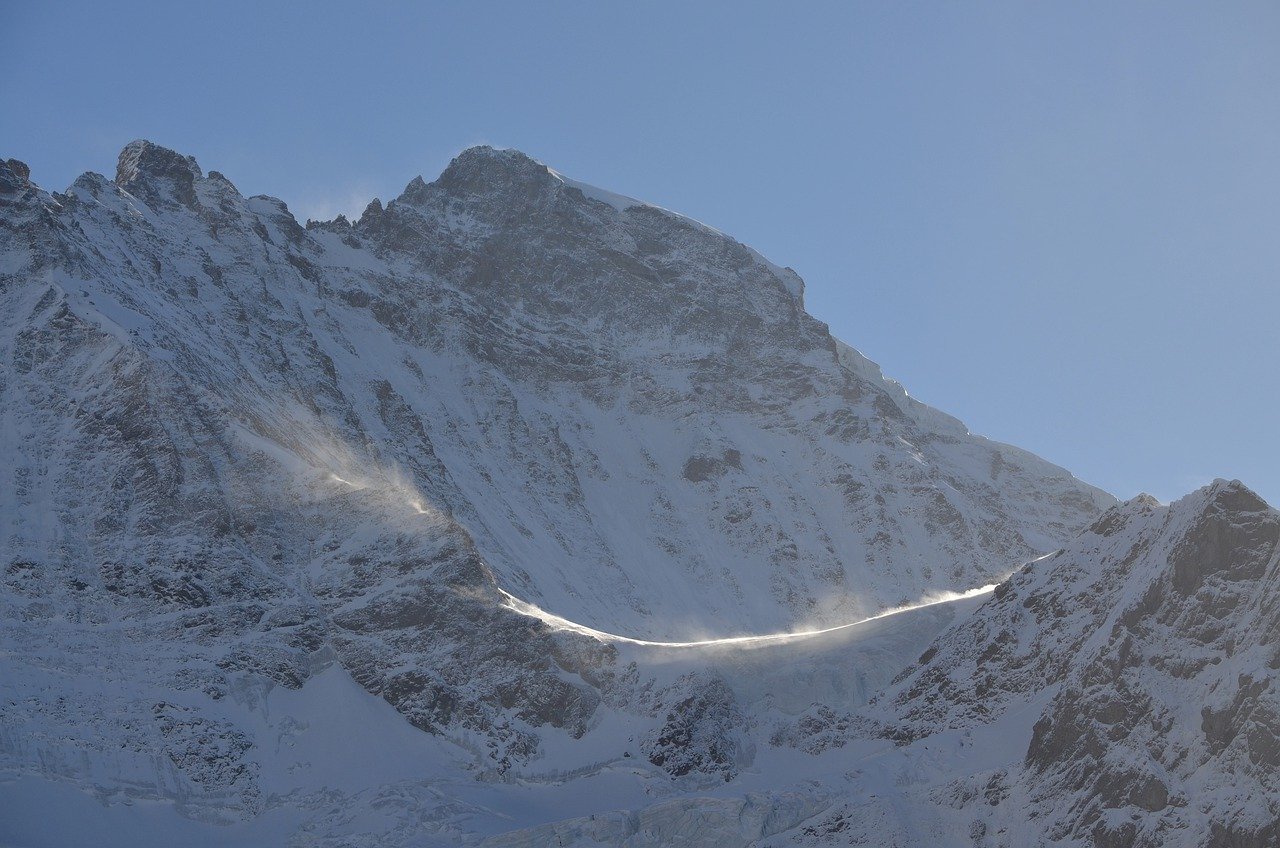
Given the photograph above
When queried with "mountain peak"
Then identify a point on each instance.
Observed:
(1229, 496)
(482, 167)
(13, 175)
(17, 167)
(484, 155)
(156, 173)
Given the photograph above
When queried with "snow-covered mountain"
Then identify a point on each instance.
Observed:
(631, 414)
(1136, 671)
(278, 499)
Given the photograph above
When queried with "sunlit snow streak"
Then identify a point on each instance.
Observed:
(559, 623)
(338, 479)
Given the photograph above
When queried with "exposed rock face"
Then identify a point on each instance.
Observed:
(701, 733)
(157, 175)
(240, 453)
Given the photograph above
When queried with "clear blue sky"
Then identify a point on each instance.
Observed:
(1060, 223)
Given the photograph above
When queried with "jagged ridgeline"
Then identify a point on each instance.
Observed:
(252, 468)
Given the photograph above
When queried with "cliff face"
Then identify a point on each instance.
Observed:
(241, 455)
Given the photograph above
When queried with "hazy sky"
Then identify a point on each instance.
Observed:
(1059, 223)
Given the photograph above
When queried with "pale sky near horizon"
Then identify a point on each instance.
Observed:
(1059, 223)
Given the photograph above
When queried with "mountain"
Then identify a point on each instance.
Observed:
(265, 485)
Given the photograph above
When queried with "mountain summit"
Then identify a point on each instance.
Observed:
(153, 172)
